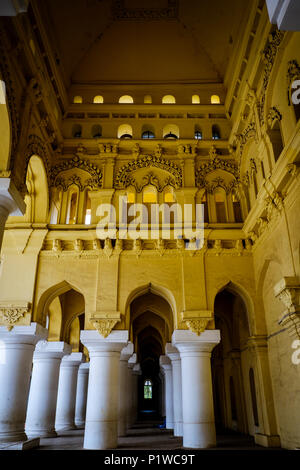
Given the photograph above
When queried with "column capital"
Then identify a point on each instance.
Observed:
(132, 361)
(21, 334)
(84, 368)
(136, 370)
(127, 351)
(51, 350)
(188, 342)
(172, 352)
(165, 363)
(73, 359)
(95, 343)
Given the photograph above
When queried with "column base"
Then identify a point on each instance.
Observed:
(199, 436)
(12, 437)
(169, 425)
(101, 435)
(65, 427)
(24, 445)
(267, 441)
(43, 433)
(79, 424)
(178, 429)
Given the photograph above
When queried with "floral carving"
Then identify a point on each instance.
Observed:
(94, 182)
(104, 327)
(123, 178)
(11, 313)
(197, 325)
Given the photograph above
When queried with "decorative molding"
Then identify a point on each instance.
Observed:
(217, 164)
(273, 116)
(153, 180)
(105, 322)
(12, 311)
(268, 57)
(94, 182)
(120, 12)
(197, 320)
(249, 132)
(123, 178)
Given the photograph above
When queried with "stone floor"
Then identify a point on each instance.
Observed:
(146, 436)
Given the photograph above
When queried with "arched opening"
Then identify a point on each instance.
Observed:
(229, 362)
(88, 210)
(148, 132)
(216, 133)
(77, 131)
(168, 99)
(96, 131)
(171, 131)
(220, 204)
(66, 318)
(72, 207)
(237, 210)
(215, 99)
(77, 99)
(195, 99)
(151, 320)
(147, 99)
(126, 99)
(98, 99)
(198, 133)
(125, 131)
(37, 197)
(276, 139)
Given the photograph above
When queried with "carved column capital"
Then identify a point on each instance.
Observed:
(197, 320)
(11, 312)
(104, 322)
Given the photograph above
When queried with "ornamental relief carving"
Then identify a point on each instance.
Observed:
(268, 58)
(11, 312)
(87, 175)
(153, 180)
(124, 177)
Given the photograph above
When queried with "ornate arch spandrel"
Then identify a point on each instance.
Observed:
(124, 178)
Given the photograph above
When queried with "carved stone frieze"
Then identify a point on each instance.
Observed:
(197, 321)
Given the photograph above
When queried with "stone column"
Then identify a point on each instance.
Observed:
(101, 426)
(123, 398)
(66, 395)
(174, 355)
(163, 404)
(41, 407)
(165, 363)
(81, 394)
(136, 371)
(11, 203)
(16, 352)
(268, 435)
(197, 395)
(131, 363)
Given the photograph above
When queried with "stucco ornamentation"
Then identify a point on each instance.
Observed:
(12, 312)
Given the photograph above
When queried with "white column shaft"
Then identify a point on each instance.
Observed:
(123, 398)
(81, 395)
(169, 398)
(66, 396)
(16, 352)
(40, 418)
(177, 397)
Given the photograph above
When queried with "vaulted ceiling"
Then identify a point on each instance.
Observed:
(144, 40)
